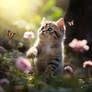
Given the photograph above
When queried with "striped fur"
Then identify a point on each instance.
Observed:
(47, 51)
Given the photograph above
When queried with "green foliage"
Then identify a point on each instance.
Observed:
(26, 18)
(51, 11)
(48, 5)
(21, 82)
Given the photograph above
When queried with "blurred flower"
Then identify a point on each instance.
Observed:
(23, 64)
(21, 23)
(4, 81)
(2, 48)
(20, 45)
(79, 45)
(0, 55)
(1, 89)
(27, 27)
(81, 81)
(68, 68)
(28, 35)
(87, 63)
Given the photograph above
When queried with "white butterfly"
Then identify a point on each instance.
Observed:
(71, 23)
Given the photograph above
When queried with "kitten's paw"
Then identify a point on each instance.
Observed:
(31, 53)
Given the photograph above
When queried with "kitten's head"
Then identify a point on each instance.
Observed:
(51, 31)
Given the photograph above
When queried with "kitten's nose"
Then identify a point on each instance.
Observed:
(43, 32)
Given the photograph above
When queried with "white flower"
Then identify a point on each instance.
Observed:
(29, 35)
(27, 27)
(21, 23)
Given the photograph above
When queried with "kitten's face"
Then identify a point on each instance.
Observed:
(51, 31)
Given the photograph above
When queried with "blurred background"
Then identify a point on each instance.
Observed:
(20, 16)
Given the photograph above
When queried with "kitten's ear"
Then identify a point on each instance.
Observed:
(43, 20)
(60, 23)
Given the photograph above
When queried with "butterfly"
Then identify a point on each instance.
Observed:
(11, 34)
(71, 23)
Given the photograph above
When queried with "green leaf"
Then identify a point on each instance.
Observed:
(48, 5)
(57, 12)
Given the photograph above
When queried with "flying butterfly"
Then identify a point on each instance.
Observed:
(71, 23)
(11, 34)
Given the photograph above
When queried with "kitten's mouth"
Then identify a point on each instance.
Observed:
(43, 32)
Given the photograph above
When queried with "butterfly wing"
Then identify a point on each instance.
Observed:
(71, 23)
(11, 34)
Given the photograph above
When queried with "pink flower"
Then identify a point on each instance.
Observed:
(29, 35)
(79, 45)
(23, 64)
(68, 68)
(2, 48)
(87, 63)
(0, 55)
(1, 89)
(4, 81)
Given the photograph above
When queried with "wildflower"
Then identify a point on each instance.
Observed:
(87, 63)
(79, 45)
(68, 68)
(0, 55)
(1, 89)
(23, 64)
(20, 45)
(4, 81)
(27, 27)
(2, 48)
(20, 23)
(28, 35)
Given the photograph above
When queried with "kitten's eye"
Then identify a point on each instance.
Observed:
(49, 29)
(42, 28)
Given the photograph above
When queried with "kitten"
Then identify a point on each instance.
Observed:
(47, 51)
